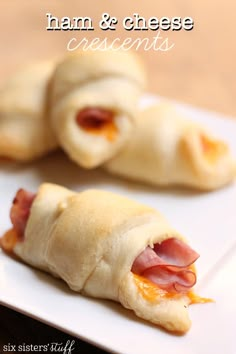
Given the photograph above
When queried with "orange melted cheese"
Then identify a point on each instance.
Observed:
(196, 299)
(212, 149)
(151, 292)
(9, 240)
(108, 129)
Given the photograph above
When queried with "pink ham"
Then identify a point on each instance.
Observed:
(168, 265)
(20, 210)
(94, 117)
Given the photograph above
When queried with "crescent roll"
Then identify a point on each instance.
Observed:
(107, 246)
(94, 102)
(25, 132)
(167, 149)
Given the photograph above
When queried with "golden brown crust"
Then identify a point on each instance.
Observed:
(111, 81)
(25, 131)
(83, 66)
(167, 149)
(91, 239)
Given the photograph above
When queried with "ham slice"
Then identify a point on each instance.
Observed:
(98, 121)
(94, 117)
(20, 210)
(168, 264)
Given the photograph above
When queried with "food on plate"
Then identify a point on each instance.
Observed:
(94, 102)
(107, 246)
(25, 132)
(166, 149)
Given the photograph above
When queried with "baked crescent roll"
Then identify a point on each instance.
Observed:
(94, 100)
(107, 246)
(25, 131)
(167, 149)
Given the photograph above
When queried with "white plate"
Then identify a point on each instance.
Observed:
(208, 220)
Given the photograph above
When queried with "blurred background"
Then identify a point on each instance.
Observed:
(199, 70)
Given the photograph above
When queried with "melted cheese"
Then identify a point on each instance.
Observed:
(9, 240)
(108, 129)
(212, 149)
(151, 292)
(196, 299)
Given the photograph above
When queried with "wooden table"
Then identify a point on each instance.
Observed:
(200, 70)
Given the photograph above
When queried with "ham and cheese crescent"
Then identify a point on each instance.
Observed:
(166, 149)
(25, 132)
(107, 246)
(94, 101)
